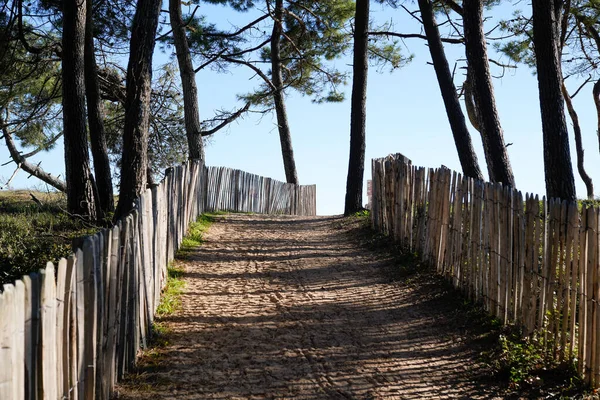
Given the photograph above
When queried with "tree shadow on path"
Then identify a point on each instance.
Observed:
(298, 308)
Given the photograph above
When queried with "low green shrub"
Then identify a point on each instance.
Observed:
(31, 234)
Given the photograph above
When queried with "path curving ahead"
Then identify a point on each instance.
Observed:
(294, 308)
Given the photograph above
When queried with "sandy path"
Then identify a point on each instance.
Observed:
(293, 308)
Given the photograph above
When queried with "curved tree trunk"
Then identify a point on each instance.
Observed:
(358, 112)
(285, 136)
(462, 137)
(483, 91)
(28, 167)
(589, 186)
(560, 182)
(137, 105)
(472, 110)
(188, 82)
(96, 122)
(80, 191)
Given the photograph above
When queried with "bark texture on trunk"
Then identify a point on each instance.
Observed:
(596, 94)
(80, 191)
(483, 92)
(456, 118)
(358, 112)
(587, 180)
(560, 182)
(285, 136)
(96, 122)
(137, 105)
(472, 110)
(191, 113)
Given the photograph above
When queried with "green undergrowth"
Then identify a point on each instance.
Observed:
(588, 203)
(34, 230)
(520, 364)
(170, 300)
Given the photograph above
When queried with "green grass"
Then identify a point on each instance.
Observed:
(195, 236)
(170, 300)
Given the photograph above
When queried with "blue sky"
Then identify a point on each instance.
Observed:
(405, 114)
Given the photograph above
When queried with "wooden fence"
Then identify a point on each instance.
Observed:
(531, 262)
(240, 191)
(71, 331)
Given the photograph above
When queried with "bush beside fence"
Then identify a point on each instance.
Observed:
(531, 262)
(71, 332)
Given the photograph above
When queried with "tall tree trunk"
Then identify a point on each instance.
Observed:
(462, 137)
(589, 186)
(596, 94)
(595, 35)
(483, 91)
(560, 181)
(285, 136)
(80, 191)
(358, 112)
(188, 82)
(96, 123)
(137, 105)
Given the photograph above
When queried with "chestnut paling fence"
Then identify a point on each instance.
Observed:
(71, 331)
(529, 261)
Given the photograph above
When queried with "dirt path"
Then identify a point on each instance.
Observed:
(294, 308)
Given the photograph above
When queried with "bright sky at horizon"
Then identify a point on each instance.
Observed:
(405, 114)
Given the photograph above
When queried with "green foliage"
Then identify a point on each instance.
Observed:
(238, 5)
(31, 235)
(519, 356)
(30, 75)
(315, 34)
(580, 48)
(387, 54)
(588, 203)
(167, 138)
(527, 366)
(518, 49)
(363, 214)
(30, 92)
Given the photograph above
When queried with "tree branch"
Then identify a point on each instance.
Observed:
(413, 36)
(226, 121)
(26, 166)
(453, 6)
(43, 147)
(253, 68)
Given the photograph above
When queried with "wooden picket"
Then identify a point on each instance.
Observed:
(239, 191)
(531, 262)
(72, 333)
